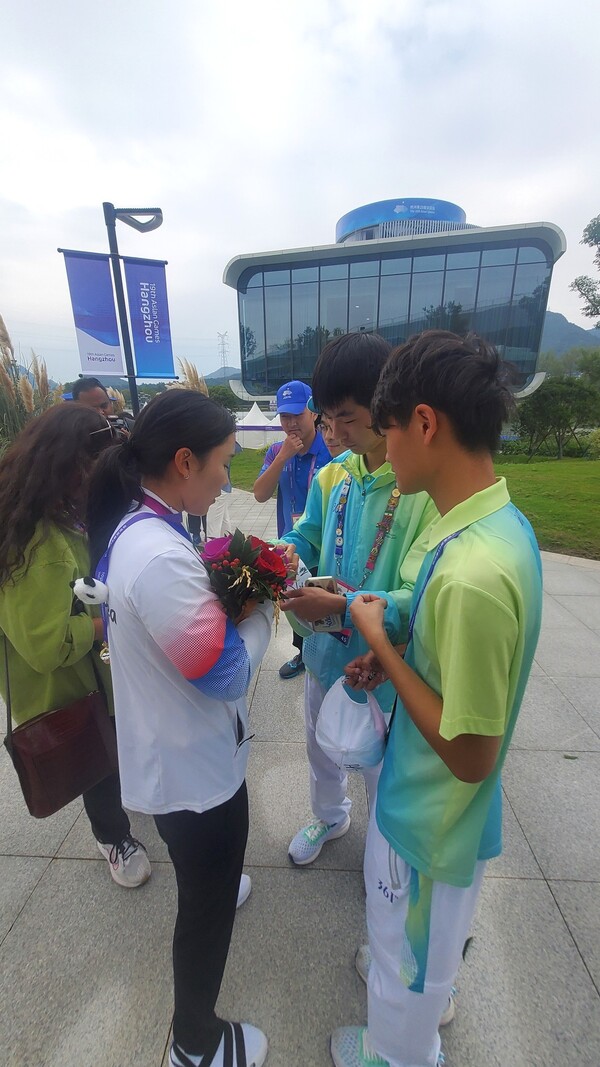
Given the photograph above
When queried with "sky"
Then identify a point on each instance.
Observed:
(256, 126)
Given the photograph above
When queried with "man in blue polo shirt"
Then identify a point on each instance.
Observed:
(291, 465)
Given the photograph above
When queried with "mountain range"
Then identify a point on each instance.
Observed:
(559, 335)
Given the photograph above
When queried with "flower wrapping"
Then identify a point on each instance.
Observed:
(242, 568)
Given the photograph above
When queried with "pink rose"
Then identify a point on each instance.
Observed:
(216, 549)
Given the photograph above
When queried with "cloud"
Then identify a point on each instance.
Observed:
(257, 126)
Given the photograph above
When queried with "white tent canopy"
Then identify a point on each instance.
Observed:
(264, 431)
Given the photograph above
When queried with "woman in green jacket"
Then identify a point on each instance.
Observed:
(52, 646)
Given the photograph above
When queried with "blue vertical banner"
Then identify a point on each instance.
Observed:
(149, 317)
(93, 303)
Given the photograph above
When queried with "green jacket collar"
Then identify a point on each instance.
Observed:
(476, 507)
(355, 465)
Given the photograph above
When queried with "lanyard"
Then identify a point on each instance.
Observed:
(383, 528)
(172, 519)
(438, 552)
(293, 486)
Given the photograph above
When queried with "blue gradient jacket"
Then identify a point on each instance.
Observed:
(314, 536)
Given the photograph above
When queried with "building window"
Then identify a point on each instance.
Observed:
(334, 308)
(362, 313)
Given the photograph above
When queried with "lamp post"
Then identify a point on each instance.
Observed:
(132, 217)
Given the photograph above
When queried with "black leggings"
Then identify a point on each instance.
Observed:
(105, 812)
(207, 851)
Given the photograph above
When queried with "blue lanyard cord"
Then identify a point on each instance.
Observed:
(293, 487)
(101, 572)
(438, 552)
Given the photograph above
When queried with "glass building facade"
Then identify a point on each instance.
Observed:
(291, 304)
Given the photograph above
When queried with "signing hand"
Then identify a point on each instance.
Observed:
(291, 559)
(365, 672)
(367, 613)
(312, 603)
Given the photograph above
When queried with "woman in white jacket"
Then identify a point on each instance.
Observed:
(181, 671)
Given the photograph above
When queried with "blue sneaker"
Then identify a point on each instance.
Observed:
(292, 668)
(308, 842)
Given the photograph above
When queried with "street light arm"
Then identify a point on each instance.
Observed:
(128, 215)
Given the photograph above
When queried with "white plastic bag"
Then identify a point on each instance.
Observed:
(352, 735)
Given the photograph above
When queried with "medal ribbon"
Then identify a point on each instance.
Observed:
(383, 529)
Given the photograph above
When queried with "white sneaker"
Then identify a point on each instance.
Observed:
(128, 862)
(362, 962)
(308, 842)
(242, 1037)
(244, 890)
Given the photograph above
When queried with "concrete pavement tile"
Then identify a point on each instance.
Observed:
(516, 860)
(277, 710)
(88, 966)
(563, 579)
(20, 834)
(580, 905)
(574, 651)
(291, 964)
(556, 802)
(165, 1059)
(280, 648)
(554, 617)
(558, 557)
(524, 995)
(280, 806)
(585, 564)
(548, 721)
(20, 875)
(584, 608)
(536, 670)
(584, 693)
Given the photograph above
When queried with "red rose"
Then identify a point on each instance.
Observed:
(270, 563)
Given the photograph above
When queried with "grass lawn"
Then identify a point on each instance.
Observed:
(561, 498)
(245, 467)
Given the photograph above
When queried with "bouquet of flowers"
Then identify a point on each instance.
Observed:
(241, 568)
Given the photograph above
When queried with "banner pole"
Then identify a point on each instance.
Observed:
(110, 220)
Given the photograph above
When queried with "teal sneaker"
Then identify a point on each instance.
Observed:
(308, 842)
(350, 1047)
(362, 962)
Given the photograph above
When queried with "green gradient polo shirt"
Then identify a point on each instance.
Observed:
(474, 639)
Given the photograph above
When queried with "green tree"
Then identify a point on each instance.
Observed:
(556, 412)
(222, 394)
(551, 364)
(588, 288)
(589, 366)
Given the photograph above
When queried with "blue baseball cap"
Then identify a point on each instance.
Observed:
(292, 398)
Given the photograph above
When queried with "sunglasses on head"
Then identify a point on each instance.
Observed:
(103, 441)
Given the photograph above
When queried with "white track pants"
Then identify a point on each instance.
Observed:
(328, 783)
(420, 944)
(217, 517)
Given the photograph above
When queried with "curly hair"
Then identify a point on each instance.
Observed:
(42, 474)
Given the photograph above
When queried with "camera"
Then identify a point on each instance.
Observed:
(121, 425)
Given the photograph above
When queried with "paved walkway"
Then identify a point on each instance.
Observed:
(85, 965)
